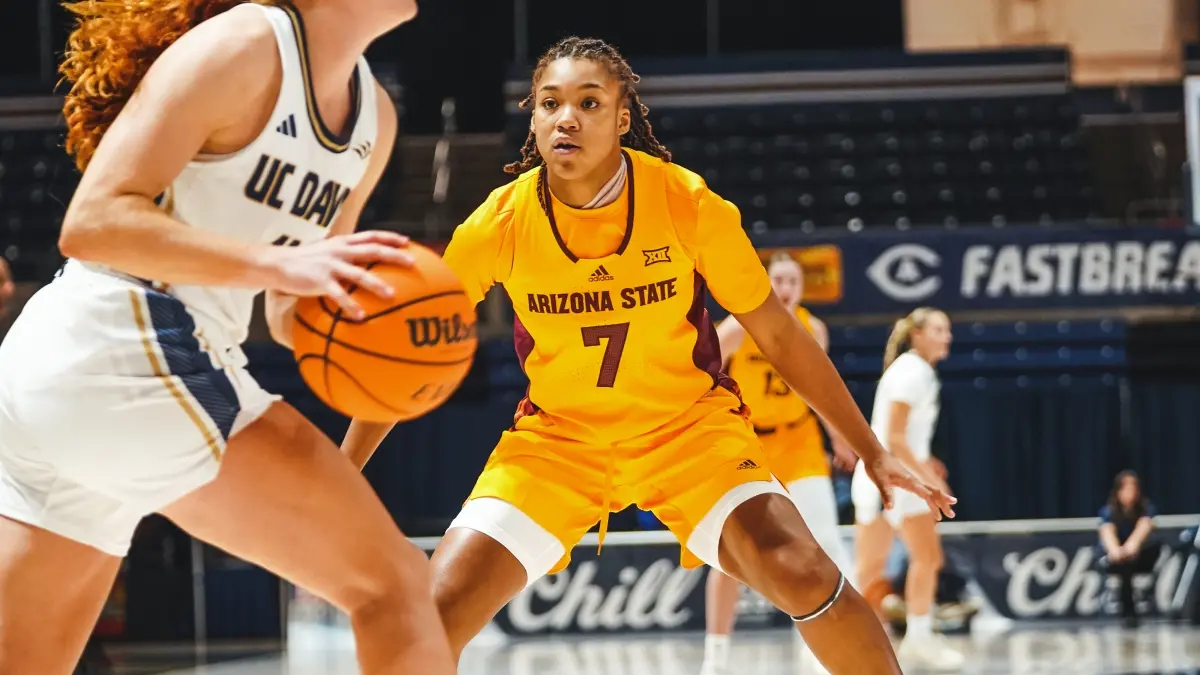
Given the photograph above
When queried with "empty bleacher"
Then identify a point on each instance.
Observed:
(37, 180)
(1020, 353)
(894, 164)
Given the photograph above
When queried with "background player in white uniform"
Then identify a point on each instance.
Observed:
(791, 437)
(904, 417)
(121, 397)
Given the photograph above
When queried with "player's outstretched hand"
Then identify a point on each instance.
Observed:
(887, 472)
(328, 266)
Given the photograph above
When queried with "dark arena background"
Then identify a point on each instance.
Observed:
(1025, 165)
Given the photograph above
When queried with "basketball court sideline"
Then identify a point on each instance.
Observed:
(1026, 649)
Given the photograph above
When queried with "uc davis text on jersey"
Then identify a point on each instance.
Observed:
(271, 184)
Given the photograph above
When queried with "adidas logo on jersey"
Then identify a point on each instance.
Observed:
(363, 150)
(747, 464)
(288, 126)
(600, 274)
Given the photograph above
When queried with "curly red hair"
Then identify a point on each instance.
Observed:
(108, 53)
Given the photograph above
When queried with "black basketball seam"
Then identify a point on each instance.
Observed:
(395, 308)
(331, 311)
(354, 286)
(349, 291)
(328, 345)
(331, 340)
(326, 363)
(391, 309)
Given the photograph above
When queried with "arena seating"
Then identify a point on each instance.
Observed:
(36, 182)
(899, 164)
(984, 354)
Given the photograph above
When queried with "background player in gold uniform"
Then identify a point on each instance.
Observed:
(790, 433)
(607, 252)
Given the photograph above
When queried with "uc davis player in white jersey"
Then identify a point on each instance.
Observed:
(904, 417)
(124, 389)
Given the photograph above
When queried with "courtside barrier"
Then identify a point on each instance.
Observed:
(1016, 570)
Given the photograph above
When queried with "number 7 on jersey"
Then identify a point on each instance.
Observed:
(615, 333)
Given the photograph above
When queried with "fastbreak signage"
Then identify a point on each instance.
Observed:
(1020, 268)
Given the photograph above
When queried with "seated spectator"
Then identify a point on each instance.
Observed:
(1126, 522)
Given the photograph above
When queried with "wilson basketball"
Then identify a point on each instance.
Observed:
(405, 358)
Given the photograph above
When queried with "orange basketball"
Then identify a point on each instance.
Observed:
(401, 361)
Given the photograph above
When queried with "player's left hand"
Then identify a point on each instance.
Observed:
(887, 473)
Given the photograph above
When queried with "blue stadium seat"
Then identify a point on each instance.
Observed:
(996, 161)
(37, 179)
(1002, 350)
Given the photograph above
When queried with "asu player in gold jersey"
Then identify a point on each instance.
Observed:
(607, 250)
(790, 433)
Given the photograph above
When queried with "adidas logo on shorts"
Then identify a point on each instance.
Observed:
(600, 274)
(747, 464)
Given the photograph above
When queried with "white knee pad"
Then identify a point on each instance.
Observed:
(531, 544)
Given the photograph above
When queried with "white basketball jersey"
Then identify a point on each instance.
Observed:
(286, 187)
(910, 379)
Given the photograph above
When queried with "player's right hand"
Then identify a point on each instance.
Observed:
(329, 266)
(887, 473)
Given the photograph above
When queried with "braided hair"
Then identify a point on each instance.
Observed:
(640, 135)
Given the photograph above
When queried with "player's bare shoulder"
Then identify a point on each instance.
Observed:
(242, 36)
(231, 62)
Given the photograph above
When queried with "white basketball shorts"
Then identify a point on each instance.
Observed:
(868, 503)
(113, 404)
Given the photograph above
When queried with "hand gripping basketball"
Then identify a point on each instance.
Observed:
(399, 359)
(328, 267)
